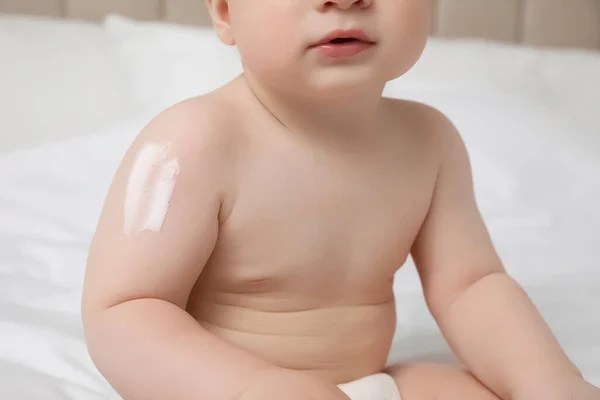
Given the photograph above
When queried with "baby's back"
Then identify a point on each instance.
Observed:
(312, 231)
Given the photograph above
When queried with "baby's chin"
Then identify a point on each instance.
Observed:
(331, 84)
(335, 82)
(340, 86)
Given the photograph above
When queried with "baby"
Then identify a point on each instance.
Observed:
(248, 245)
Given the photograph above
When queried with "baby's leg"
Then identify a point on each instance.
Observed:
(438, 382)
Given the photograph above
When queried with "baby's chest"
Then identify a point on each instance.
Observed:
(315, 231)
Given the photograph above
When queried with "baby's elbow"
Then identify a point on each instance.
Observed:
(90, 309)
(90, 320)
(105, 333)
(94, 324)
(93, 334)
(447, 291)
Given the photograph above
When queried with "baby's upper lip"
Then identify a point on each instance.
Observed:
(357, 34)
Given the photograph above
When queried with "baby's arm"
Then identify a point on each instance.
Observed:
(487, 318)
(137, 287)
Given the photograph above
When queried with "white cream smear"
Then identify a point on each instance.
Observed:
(149, 190)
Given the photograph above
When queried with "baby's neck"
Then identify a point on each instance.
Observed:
(351, 115)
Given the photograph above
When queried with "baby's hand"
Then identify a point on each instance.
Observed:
(291, 385)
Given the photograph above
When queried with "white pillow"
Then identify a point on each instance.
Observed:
(57, 79)
(169, 63)
(565, 80)
(528, 115)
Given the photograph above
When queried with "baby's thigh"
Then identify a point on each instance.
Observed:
(438, 382)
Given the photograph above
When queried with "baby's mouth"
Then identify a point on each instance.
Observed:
(344, 37)
(343, 40)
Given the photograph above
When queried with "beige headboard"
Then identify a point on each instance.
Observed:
(556, 23)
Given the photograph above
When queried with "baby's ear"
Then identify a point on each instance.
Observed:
(219, 13)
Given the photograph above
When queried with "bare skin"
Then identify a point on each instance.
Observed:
(272, 275)
(302, 271)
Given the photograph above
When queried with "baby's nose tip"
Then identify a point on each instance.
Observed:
(345, 4)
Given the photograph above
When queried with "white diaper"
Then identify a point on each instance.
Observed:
(374, 387)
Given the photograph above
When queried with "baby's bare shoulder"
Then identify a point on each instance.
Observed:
(200, 135)
(198, 124)
(425, 120)
(426, 124)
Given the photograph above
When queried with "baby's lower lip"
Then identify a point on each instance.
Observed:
(344, 49)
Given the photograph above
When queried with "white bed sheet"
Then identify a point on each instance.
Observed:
(50, 199)
(58, 79)
(537, 176)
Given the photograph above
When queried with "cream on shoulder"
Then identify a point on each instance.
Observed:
(151, 184)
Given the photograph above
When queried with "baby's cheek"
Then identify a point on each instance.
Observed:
(409, 21)
(269, 55)
(406, 31)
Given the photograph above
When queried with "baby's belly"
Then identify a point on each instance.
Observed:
(339, 344)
